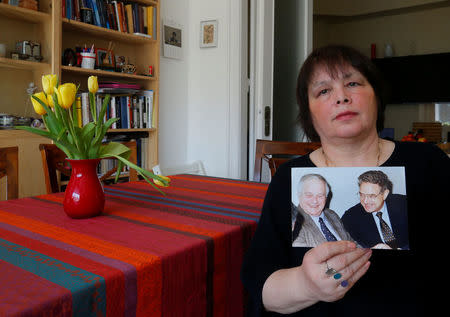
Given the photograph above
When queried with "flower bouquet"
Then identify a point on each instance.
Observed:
(56, 106)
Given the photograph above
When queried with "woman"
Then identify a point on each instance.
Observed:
(341, 105)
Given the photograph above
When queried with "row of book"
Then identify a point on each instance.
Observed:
(28, 4)
(128, 17)
(135, 111)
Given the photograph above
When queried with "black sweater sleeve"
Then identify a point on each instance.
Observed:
(270, 245)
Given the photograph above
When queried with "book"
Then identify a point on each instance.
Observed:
(129, 112)
(96, 14)
(141, 112)
(76, 10)
(155, 23)
(150, 20)
(129, 12)
(116, 10)
(144, 19)
(79, 113)
(140, 18)
(111, 15)
(123, 21)
(123, 113)
(135, 108)
(113, 111)
(68, 9)
(148, 94)
(85, 109)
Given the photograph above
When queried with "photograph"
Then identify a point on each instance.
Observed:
(172, 36)
(104, 58)
(208, 33)
(366, 205)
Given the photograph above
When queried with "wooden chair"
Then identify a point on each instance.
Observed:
(9, 168)
(270, 151)
(55, 164)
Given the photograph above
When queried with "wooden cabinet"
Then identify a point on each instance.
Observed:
(55, 34)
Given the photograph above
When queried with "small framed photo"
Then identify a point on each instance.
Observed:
(172, 46)
(208, 33)
(104, 58)
(120, 62)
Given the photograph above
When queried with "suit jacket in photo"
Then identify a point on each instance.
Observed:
(310, 234)
(362, 227)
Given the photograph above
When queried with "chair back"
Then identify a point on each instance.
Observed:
(9, 168)
(55, 164)
(269, 150)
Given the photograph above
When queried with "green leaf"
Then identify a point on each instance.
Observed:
(40, 132)
(93, 107)
(104, 106)
(53, 124)
(114, 148)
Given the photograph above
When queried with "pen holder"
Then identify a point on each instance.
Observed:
(88, 60)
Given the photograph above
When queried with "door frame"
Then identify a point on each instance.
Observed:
(262, 18)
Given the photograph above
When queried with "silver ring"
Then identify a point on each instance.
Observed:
(330, 271)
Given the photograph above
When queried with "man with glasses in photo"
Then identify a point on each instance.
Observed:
(380, 220)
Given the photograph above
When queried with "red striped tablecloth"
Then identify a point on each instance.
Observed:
(147, 255)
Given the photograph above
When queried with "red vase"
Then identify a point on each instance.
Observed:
(84, 196)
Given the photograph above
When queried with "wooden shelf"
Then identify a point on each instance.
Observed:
(97, 31)
(23, 14)
(21, 64)
(55, 34)
(104, 73)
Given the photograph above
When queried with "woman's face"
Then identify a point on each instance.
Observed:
(342, 107)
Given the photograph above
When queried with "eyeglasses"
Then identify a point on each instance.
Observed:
(363, 196)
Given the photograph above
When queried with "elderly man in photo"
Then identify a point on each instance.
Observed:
(312, 223)
(380, 219)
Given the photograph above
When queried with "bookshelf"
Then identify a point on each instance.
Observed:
(56, 33)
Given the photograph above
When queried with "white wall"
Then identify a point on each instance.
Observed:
(173, 99)
(197, 93)
(209, 90)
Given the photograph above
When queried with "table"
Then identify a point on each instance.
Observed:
(146, 255)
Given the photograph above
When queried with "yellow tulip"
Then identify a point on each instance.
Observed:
(161, 184)
(50, 100)
(49, 83)
(36, 105)
(93, 84)
(66, 95)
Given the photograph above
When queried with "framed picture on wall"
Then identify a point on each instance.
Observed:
(208, 33)
(172, 39)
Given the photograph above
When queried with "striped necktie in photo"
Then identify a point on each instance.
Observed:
(326, 232)
(388, 236)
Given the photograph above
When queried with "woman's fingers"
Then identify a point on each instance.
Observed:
(327, 250)
(349, 262)
(352, 266)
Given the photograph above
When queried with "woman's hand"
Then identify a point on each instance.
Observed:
(290, 290)
(342, 256)
(381, 246)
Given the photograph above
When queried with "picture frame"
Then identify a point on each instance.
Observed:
(104, 58)
(172, 43)
(208, 33)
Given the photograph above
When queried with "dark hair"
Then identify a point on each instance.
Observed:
(334, 57)
(376, 177)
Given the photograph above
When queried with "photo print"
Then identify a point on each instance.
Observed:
(366, 205)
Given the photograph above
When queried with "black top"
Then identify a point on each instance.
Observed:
(398, 283)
